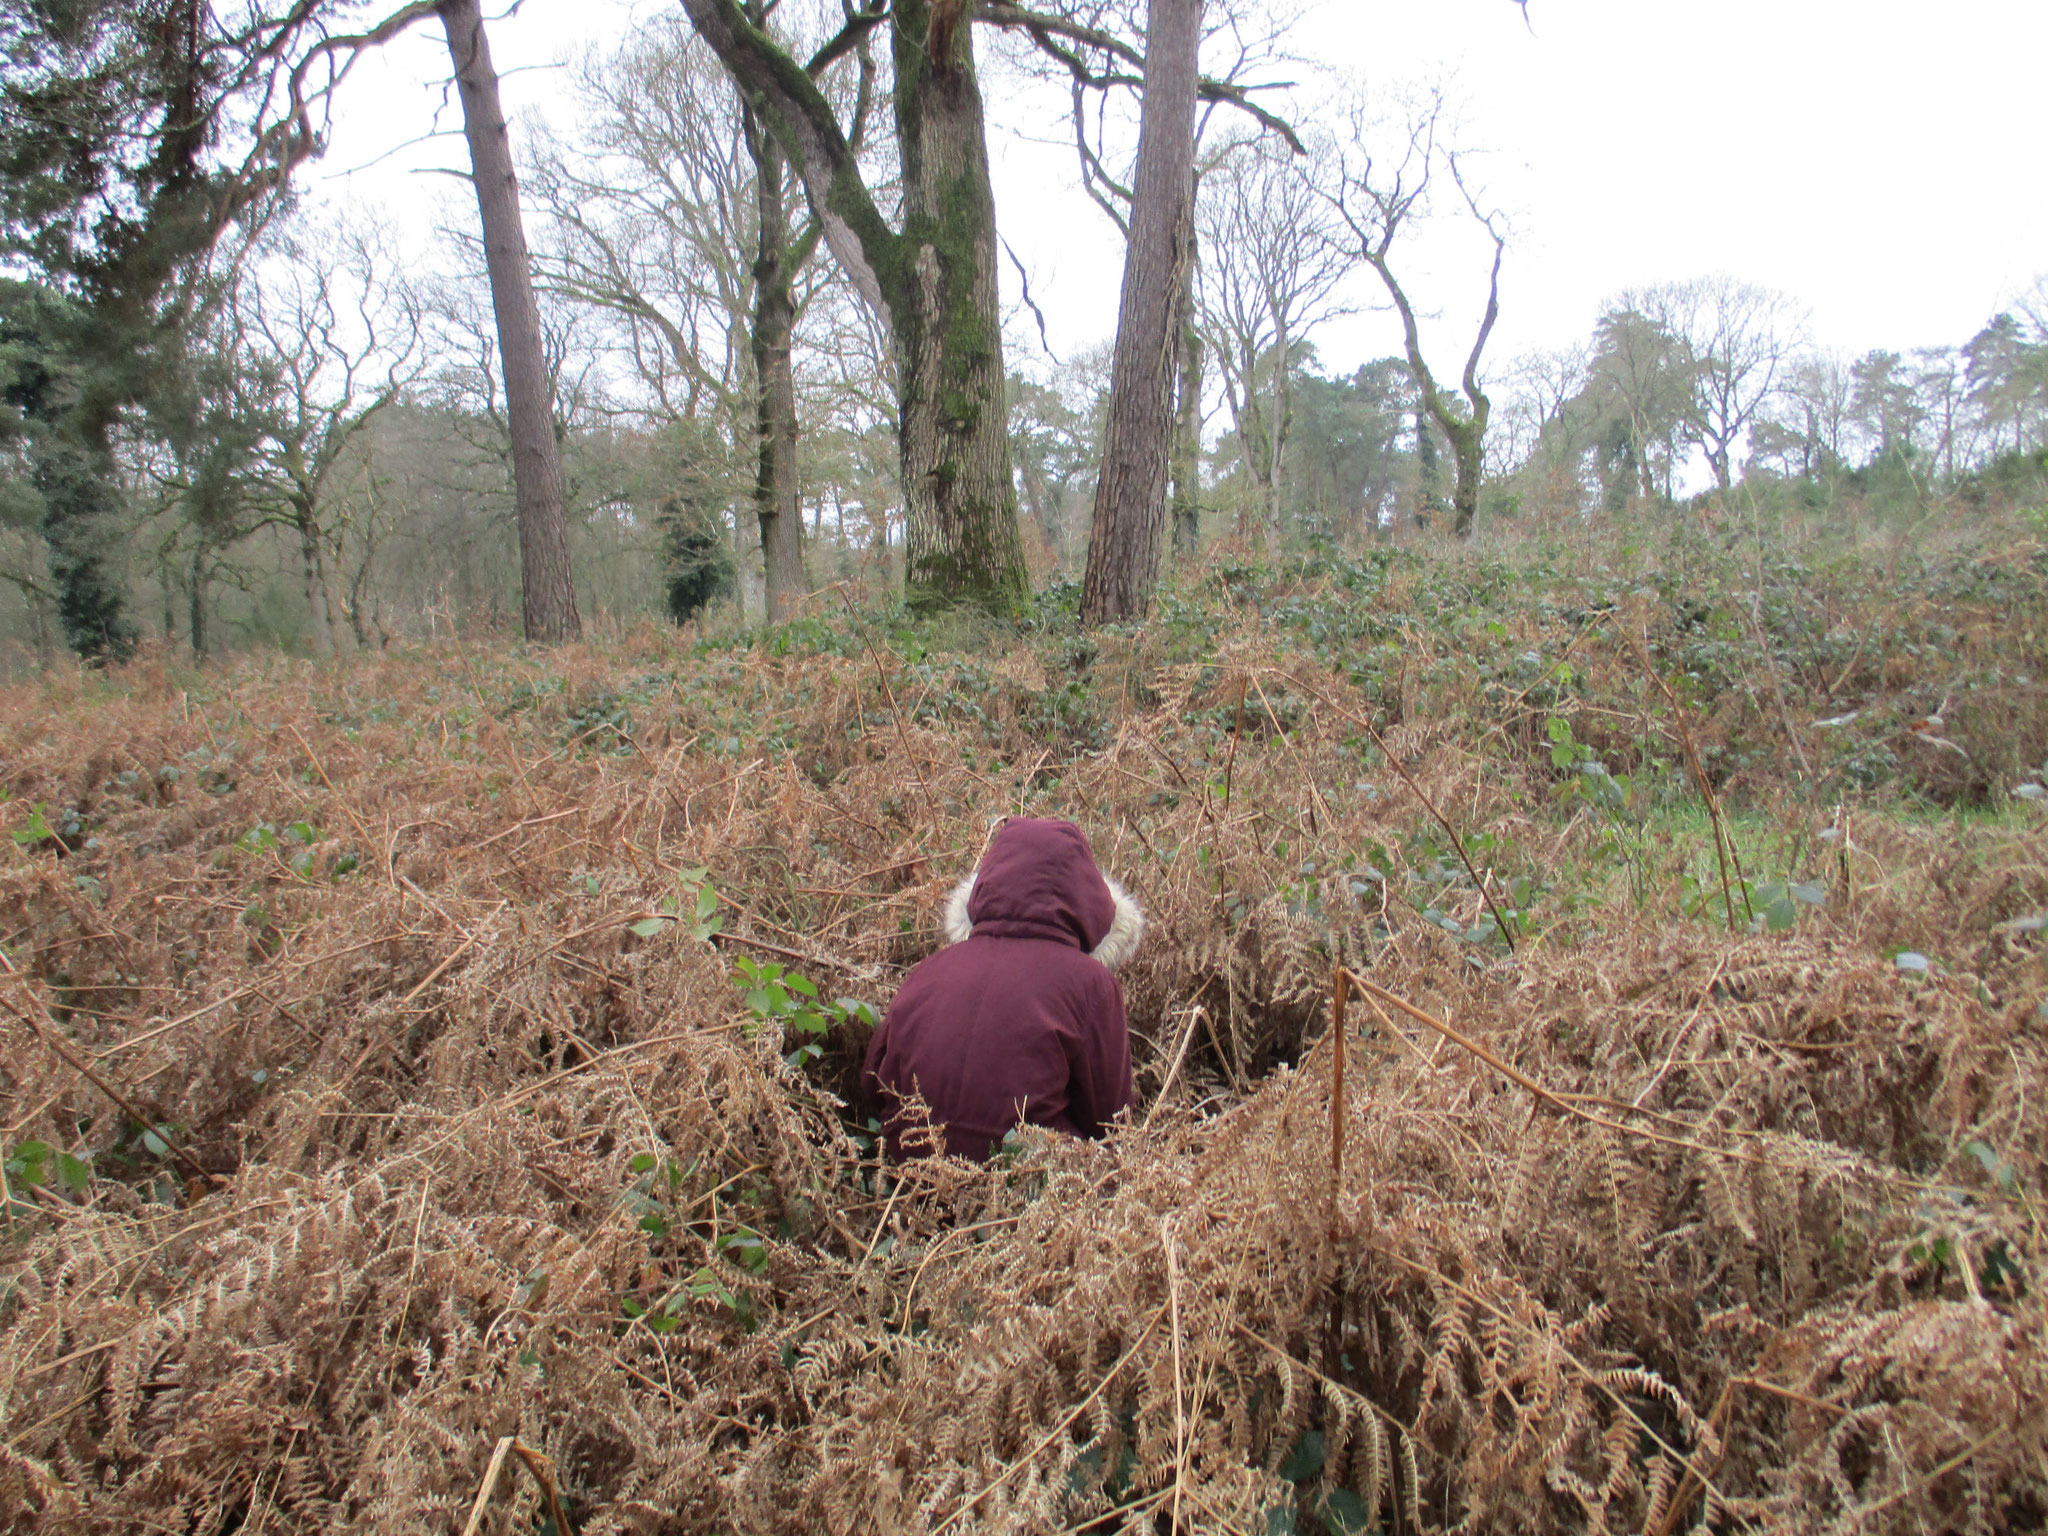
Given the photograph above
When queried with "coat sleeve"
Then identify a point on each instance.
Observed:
(1103, 1076)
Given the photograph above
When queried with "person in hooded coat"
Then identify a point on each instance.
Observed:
(1018, 1018)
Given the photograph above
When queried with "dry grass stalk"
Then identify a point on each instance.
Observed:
(542, 1471)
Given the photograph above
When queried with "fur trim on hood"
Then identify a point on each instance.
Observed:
(1117, 946)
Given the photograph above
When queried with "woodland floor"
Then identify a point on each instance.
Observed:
(376, 1094)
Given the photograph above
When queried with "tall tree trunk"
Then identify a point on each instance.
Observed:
(934, 282)
(1283, 423)
(1428, 476)
(962, 539)
(1127, 539)
(547, 592)
(313, 572)
(774, 321)
(197, 602)
(355, 614)
(1254, 438)
(1187, 425)
(1466, 430)
(73, 468)
(1469, 463)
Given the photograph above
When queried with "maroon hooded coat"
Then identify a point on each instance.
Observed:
(1019, 1019)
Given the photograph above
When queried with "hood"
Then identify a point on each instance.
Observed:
(1039, 880)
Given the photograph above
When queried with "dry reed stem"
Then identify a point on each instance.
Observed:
(536, 1464)
(1180, 1420)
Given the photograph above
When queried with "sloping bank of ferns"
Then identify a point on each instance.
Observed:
(378, 1086)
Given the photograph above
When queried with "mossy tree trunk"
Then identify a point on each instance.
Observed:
(1464, 424)
(202, 570)
(82, 527)
(933, 282)
(1375, 213)
(313, 575)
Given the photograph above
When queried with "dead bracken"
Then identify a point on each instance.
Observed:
(418, 1127)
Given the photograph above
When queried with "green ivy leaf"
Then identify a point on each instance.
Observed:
(647, 927)
(1344, 1513)
(1306, 1459)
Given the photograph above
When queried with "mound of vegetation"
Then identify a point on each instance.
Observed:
(427, 1081)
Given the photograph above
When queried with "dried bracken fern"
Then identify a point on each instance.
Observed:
(481, 1157)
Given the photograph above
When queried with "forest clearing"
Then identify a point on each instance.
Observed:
(398, 1069)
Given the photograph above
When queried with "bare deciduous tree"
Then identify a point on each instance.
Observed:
(1378, 198)
(1807, 427)
(1276, 263)
(1736, 338)
(331, 332)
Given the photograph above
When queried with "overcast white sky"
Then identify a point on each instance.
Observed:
(1879, 161)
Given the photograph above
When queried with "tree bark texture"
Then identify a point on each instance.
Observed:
(313, 575)
(1128, 536)
(774, 321)
(1283, 424)
(962, 537)
(934, 283)
(196, 594)
(1187, 426)
(547, 591)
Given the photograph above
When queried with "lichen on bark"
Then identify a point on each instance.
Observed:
(933, 281)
